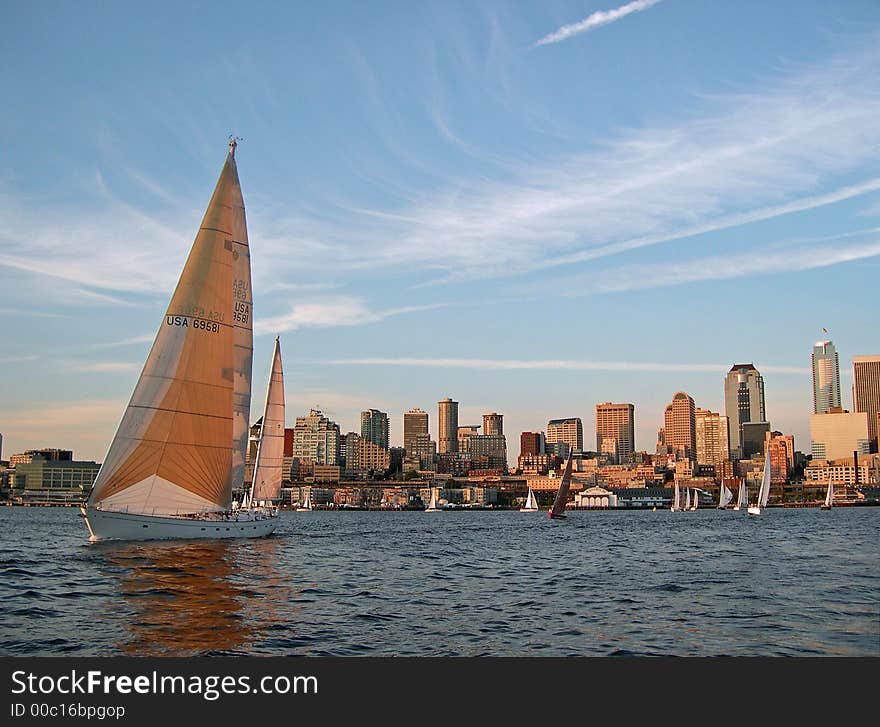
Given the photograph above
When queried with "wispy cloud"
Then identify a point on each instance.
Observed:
(556, 365)
(720, 267)
(132, 341)
(596, 20)
(17, 359)
(104, 367)
(29, 312)
(343, 311)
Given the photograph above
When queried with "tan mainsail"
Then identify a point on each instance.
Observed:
(268, 470)
(173, 451)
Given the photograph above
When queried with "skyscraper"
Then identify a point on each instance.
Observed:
(743, 402)
(866, 392)
(570, 431)
(493, 424)
(616, 421)
(316, 438)
(826, 377)
(415, 423)
(680, 425)
(374, 427)
(447, 438)
(531, 443)
(713, 437)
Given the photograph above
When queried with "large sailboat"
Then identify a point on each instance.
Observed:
(764, 490)
(531, 503)
(179, 451)
(558, 509)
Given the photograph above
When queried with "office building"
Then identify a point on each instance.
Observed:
(374, 427)
(713, 438)
(447, 438)
(531, 443)
(465, 432)
(743, 402)
(43, 473)
(50, 455)
(754, 436)
(826, 378)
(866, 393)
(493, 424)
(838, 434)
(617, 422)
(415, 423)
(680, 427)
(568, 431)
(316, 439)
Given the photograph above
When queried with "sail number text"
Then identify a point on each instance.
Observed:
(200, 324)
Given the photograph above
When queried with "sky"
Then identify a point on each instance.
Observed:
(530, 207)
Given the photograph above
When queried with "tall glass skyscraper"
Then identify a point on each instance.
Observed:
(826, 377)
(743, 402)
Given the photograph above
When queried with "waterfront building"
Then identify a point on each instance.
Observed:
(447, 438)
(712, 437)
(680, 428)
(743, 402)
(838, 434)
(43, 473)
(595, 497)
(842, 471)
(754, 435)
(50, 455)
(826, 378)
(415, 423)
(866, 393)
(465, 432)
(616, 422)
(493, 424)
(316, 439)
(374, 427)
(531, 443)
(569, 431)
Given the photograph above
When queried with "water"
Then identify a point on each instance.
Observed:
(791, 582)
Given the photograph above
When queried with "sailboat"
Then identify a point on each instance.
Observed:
(531, 503)
(829, 495)
(676, 503)
(558, 509)
(724, 497)
(764, 491)
(269, 463)
(687, 499)
(307, 505)
(432, 505)
(696, 503)
(742, 497)
(179, 451)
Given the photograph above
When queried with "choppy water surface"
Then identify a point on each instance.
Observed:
(791, 582)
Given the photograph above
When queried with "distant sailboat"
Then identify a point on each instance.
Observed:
(676, 503)
(265, 490)
(829, 495)
(558, 509)
(531, 503)
(764, 491)
(724, 497)
(178, 453)
(742, 498)
(687, 499)
(696, 503)
(432, 505)
(307, 505)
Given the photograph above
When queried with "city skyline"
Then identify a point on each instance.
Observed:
(482, 201)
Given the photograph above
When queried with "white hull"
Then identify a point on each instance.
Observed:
(754, 510)
(529, 509)
(109, 525)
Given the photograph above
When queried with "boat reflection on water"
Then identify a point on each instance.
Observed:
(197, 597)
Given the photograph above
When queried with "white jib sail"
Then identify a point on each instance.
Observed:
(268, 468)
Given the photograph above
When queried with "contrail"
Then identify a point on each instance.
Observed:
(599, 18)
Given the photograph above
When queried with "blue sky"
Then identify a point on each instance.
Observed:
(530, 207)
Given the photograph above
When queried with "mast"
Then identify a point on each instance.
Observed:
(174, 450)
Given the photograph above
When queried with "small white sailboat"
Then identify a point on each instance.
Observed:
(742, 497)
(764, 491)
(531, 503)
(829, 495)
(687, 499)
(725, 496)
(558, 509)
(696, 503)
(178, 453)
(676, 502)
(432, 505)
(307, 505)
